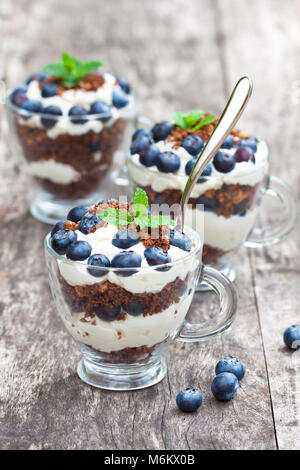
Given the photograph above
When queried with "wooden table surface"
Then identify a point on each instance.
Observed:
(178, 55)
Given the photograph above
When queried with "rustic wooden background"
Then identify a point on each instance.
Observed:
(179, 55)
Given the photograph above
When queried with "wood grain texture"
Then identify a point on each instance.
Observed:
(178, 55)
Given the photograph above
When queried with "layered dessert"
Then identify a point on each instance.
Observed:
(71, 122)
(161, 159)
(124, 279)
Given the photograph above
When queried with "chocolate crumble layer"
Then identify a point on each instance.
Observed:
(212, 255)
(140, 354)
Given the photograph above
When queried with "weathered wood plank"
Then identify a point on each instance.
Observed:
(262, 40)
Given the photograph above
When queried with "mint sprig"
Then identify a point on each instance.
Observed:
(140, 217)
(71, 70)
(194, 120)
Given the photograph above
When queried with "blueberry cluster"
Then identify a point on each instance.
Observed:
(78, 114)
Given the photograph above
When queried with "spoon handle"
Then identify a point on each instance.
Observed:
(232, 112)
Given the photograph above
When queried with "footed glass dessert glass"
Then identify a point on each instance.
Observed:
(124, 318)
(69, 157)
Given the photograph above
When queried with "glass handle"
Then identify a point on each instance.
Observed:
(281, 228)
(225, 290)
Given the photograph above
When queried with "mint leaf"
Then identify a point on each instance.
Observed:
(153, 221)
(205, 121)
(140, 202)
(68, 61)
(87, 67)
(58, 70)
(179, 119)
(192, 120)
(116, 217)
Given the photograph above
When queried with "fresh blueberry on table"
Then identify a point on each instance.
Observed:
(125, 239)
(168, 162)
(62, 239)
(140, 144)
(209, 203)
(189, 400)
(88, 222)
(120, 99)
(124, 85)
(100, 107)
(244, 154)
(107, 313)
(40, 76)
(224, 162)
(149, 156)
(33, 106)
(76, 113)
(77, 213)
(292, 337)
(78, 251)
(97, 262)
(58, 226)
(231, 364)
(140, 133)
(228, 142)
(250, 143)
(49, 89)
(155, 255)
(134, 308)
(193, 144)
(126, 259)
(224, 386)
(180, 240)
(161, 130)
(53, 110)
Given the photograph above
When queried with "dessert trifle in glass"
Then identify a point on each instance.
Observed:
(72, 123)
(123, 281)
(230, 188)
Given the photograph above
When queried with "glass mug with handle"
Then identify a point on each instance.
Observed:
(124, 318)
(230, 191)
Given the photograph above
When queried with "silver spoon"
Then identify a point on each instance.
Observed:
(231, 114)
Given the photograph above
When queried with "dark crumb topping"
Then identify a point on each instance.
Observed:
(91, 82)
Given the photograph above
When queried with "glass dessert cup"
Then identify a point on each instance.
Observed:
(126, 353)
(69, 158)
(230, 208)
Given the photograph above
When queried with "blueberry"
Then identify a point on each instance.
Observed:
(124, 84)
(180, 240)
(49, 89)
(107, 313)
(244, 154)
(168, 162)
(189, 400)
(149, 156)
(224, 386)
(18, 96)
(125, 239)
(209, 203)
(206, 172)
(98, 262)
(224, 162)
(292, 337)
(126, 259)
(240, 209)
(58, 226)
(48, 122)
(62, 239)
(94, 146)
(99, 107)
(33, 106)
(250, 143)
(88, 222)
(161, 130)
(231, 364)
(140, 133)
(76, 112)
(228, 142)
(120, 99)
(140, 144)
(77, 213)
(134, 307)
(79, 251)
(193, 144)
(155, 255)
(37, 76)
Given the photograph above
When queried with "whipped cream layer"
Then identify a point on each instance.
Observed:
(130, 333)
(74, 97)
(220, 232)
(59, 173)
(244, 173)
(146, 280)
